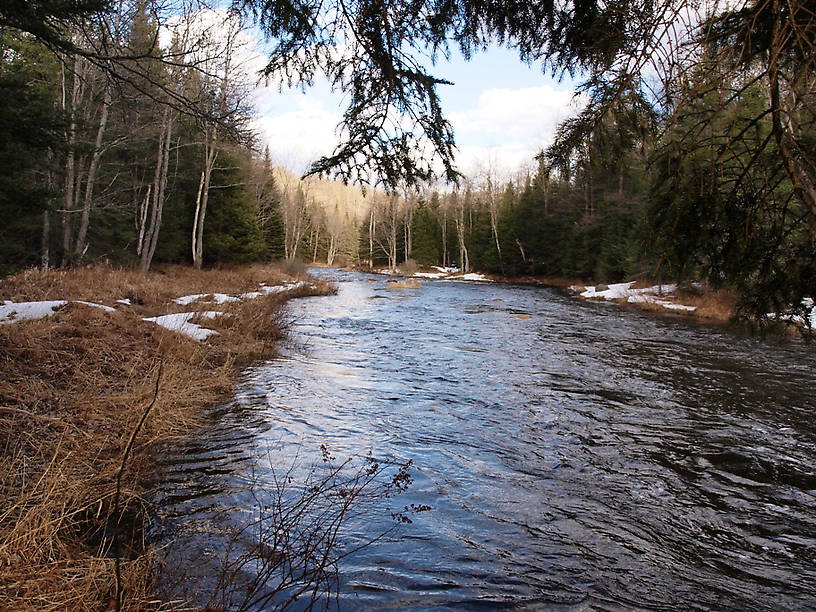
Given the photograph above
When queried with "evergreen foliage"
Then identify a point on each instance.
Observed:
(29, 130)
(694, 157)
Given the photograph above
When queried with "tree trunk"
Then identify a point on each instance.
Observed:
(332, 249)
(494, 227)
(460, 234)
(195, 218)
(409, 237)
(71, 184)
(159, 185)
(82, 234)
(444, 226)
(210, 155)
(392, 247)
(45, 252)
(371, 228)
(141, 221)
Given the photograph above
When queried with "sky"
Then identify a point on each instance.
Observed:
(502, 111)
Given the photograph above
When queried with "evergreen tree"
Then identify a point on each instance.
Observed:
(29, 143)
(426, 237)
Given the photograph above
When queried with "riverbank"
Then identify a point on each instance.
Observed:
(696, 302)
(543, 447)
(89, 390)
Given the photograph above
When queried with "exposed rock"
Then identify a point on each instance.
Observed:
(408, 283)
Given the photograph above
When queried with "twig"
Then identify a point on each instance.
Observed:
(125, 456)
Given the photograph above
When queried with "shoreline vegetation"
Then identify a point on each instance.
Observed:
(76, 386)
(693, 302)
(126, 361)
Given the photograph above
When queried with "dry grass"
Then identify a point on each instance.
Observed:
(150, 293)
(72, 389)
(713, 306)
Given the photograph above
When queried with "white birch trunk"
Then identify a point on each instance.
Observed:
(90, 180)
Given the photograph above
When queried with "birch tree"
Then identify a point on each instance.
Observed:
(222, 86)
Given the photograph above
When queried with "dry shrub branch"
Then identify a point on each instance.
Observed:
(73, 388)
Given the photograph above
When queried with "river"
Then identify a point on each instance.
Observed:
(566, 455)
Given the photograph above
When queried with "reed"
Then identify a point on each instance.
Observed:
(73, 388)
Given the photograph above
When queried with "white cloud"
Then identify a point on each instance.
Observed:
(505, 128)
(502, 127)
(509, 126)
(297, 127)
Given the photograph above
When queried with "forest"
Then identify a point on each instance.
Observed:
(126, 138)
(148, 233)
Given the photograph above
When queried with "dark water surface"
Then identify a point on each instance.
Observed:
(586, 457)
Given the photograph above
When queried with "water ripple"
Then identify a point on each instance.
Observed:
(586, 457)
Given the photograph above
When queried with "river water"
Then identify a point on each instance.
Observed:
(573, 455)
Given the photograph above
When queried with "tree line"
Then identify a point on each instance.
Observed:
(125, 136)
(148, 157)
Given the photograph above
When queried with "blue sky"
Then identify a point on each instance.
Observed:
(503, 112)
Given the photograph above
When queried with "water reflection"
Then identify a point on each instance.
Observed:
(585, 457)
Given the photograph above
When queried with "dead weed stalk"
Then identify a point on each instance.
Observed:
(80, 410)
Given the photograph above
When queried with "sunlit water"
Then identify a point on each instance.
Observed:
(586, 457)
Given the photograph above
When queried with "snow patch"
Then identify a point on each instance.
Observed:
(472, 276)
(289, 286)
(251, 295)
(620, 291)
(223, 298)
(11, 312)
(430, 274)
(651, 299)
(180, 322)
(810, 311)
(217, 298)
(655, 294)
(809, 320)
(94, 305)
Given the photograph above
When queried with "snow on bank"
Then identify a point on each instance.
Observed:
(620, 291)
(472, 276)
(440, 274)
(809, 318)
(217, 298)
(100, 306)
(180, 322)
(657, 294)
(11, 312)
(223, 298)
(432, 275)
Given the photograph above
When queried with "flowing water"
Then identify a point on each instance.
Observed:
(573, 455)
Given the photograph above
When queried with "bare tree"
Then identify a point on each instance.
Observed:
(460, 204)
(293, 206)
(227, 102)
(489, 179)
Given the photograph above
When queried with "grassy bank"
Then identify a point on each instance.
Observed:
(698, 303)
(74, 388)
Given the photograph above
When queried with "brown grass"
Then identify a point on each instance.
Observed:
(713, 306)
(72, 388)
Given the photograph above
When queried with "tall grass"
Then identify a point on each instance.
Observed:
(73, 388)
